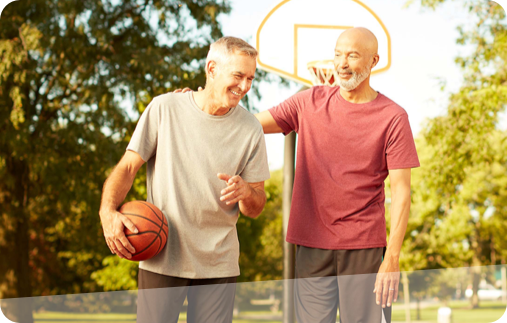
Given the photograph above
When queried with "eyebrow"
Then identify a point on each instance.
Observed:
(241, 73)
(352, 52)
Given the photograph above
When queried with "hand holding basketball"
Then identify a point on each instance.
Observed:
(114, 224)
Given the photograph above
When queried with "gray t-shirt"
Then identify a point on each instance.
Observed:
(185, 149)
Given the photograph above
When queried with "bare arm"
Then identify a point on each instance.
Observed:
(386, 286)
(268, 123)
(115, 189)
(250, 196)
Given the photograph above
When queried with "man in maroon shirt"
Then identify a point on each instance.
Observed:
(350, 139)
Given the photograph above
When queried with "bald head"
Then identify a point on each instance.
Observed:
(355, 56)
(360, 38)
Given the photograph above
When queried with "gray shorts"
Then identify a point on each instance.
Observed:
(160, 298)
(330, 279)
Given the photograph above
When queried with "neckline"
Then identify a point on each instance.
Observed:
(207, 115)
(340, 98)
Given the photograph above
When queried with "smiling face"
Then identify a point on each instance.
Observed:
(231, 79)
(355, 56)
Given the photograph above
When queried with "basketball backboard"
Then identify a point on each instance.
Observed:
(297, 32)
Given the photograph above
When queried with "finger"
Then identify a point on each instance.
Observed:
(223, 176)
(127, 245)
(187, 89)
(110, 247)
(385, 292)
(236, 200)
(121, 250)
(396, 288)
(229, 196)
(234, 179)
(178, 91)
(128, 223)
(377, 290)
(200, 89)
(229, 189)
(390, 295)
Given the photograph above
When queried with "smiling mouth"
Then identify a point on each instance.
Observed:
(235, 93)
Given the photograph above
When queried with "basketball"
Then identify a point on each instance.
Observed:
(152, 229)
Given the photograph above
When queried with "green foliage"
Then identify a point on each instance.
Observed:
(261, 239)
(66, 68)
(459, 197)
(117, 274)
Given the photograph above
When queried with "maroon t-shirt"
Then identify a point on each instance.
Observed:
(344, 152)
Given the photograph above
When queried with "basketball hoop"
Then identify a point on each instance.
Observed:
(323, 73)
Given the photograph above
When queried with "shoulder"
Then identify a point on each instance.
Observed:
(248, 120)
(393, 109)
(168, 98)
(162, 103)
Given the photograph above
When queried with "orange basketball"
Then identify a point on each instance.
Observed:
(152, 226)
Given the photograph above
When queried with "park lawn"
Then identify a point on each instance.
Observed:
(486, 313)
(62, 317)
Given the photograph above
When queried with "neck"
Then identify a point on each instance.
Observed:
(361, 94)
(207, 102)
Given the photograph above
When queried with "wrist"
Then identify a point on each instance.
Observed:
(105, 212)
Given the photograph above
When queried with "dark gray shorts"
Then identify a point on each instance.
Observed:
(160, 298)
(330, 279)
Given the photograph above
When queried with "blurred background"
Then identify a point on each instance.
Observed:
(75, 76)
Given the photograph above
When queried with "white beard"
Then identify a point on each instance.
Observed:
(355, 80)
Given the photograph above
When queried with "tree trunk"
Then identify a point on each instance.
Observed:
(418, 312)
(19, 169)
(476, 278)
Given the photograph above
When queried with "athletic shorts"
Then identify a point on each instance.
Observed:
(160, 298)
(327, 280)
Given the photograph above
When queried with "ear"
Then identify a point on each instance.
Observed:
(211, 68)
(375, 61)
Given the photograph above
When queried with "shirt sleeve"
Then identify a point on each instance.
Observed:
(257, 169)
(288, 113)
(401, 152)
(144, 139)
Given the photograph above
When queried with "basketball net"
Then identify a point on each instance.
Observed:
(323, 73)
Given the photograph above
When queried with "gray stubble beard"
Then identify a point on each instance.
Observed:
(355, 80)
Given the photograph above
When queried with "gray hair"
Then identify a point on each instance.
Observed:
(221, 50)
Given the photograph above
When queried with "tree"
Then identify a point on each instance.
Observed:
(66, 69)
(458, 201)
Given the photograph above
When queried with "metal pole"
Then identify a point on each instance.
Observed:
(406, 295)
(504, 284)
(288, 248)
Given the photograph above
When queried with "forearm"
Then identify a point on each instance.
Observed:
(115, 189)
(253, 205)
(400, 210)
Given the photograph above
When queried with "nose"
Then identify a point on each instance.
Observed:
(344, 63)
(341, 62)
(244, 85)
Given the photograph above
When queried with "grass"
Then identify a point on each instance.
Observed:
(461, 313)
(488, 312)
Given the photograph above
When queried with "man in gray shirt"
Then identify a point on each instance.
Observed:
(206, 162)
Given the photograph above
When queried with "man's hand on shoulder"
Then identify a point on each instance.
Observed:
(250, 196)
(187, 89)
